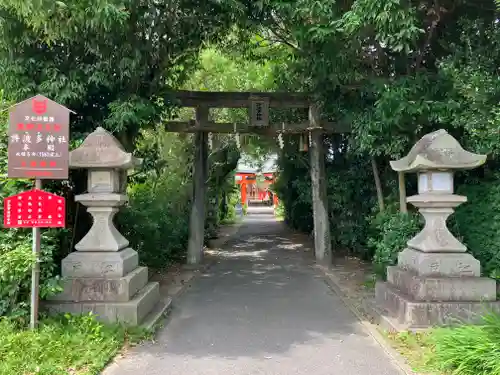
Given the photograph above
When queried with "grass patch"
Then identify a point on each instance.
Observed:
(63, 345)
(370, 282)
(462, 350)
(469, 349)
(417, 348)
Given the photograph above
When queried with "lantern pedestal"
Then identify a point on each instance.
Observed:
(403, 312)
(435, 282)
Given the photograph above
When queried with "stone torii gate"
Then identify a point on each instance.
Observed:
(258, 104)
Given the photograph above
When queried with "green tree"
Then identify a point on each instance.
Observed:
(112, 62)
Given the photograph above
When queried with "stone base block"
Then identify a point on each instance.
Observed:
(161, 310)
(100, 264)
(120, 289)
(409, 314)
(437, 289)
(132, 312)
(439, 264)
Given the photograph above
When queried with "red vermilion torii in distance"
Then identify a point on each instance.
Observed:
(34, 209)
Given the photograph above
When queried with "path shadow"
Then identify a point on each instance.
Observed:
(261, 298)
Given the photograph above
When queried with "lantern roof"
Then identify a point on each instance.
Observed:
(102, 150)
(437, 151)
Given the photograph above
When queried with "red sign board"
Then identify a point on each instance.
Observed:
(38, 139)
(34, 209)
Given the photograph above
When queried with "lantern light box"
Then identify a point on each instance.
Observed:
(435, 182)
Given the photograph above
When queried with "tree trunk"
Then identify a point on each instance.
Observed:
(402, 193)
(378, 185)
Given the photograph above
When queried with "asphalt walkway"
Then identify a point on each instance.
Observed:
(262, 309)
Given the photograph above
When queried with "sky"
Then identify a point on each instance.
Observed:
(248, 165)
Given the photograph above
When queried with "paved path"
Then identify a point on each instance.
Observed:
(262, 309)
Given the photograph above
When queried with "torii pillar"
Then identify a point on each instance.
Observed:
(322, 237)
(200, 174)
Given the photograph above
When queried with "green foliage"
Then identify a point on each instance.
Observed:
(349, 178)
(383, 67)
(468, 349)
(279, 211)
(350, 193)
(478, 223)
(156, 222)
(417, 348)
(16, 262)
(156, 219)
(389, 232)
(222, 71)
(230, 215)
(459, 350)
(218, 70)
(15, 270)
(73, 52)
(79, 345)
(394, 23)
(293, 187)
(222, 191)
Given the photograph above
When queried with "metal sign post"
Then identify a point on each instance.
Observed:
(35, 274)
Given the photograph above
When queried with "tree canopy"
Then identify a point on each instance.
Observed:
(112, 62)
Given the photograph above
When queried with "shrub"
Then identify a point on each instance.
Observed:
(351, 198)
(156, 221)
(16, 262)
(279, 211)
(478, 223)
(233, 200)
(389, 232)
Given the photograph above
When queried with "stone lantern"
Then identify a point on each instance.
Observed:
(435, 282)
(103, 274)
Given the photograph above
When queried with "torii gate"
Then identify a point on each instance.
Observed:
(258, 104)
